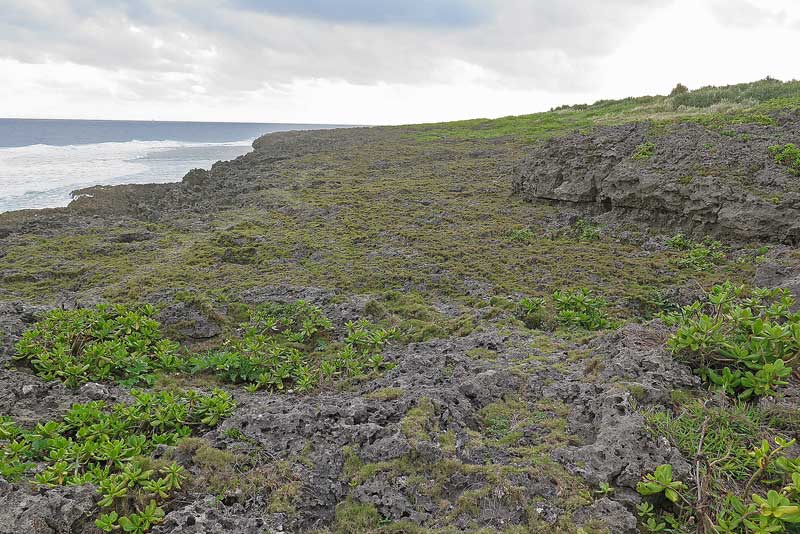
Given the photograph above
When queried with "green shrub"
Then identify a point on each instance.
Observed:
(292, 346)
(644, 151)
(655, 302)
(106, 446)
(760, 91)
(529, 311)
(724, 508)
(679, 242)
(679, 90)
(520, 235)
(580, 308)
(586, 230)
(103, 343)
(702, 256)
(787, 155)
(741, 342)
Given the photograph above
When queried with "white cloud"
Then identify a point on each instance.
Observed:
(206, 60)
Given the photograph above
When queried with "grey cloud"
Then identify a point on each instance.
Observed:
(445, 13)
(244, 45)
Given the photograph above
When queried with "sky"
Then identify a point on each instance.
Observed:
(374, 61)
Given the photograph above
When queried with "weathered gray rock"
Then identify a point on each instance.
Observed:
(186, 321)
(696, 179)
(60, 510)
(29, 399)
(95, 391)
(780, 268)
(14, 319)
(391, 498)
(617, 448)
(611, 514)
(209, 516)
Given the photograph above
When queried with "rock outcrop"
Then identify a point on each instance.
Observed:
(689, 177)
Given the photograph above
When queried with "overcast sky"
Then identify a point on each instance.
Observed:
(374, 61)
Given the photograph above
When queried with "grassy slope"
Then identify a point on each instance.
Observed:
(423, 209)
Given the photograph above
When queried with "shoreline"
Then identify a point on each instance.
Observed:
(127, 162)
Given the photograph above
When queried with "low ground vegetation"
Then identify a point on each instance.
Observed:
(702, 255)
(108, 446)
(744, 477)
(116, 343)
(282, 346)
(578, 308)
(743, 342)
(293, 346)
(644, 151)
(787, 155)
(755, 490)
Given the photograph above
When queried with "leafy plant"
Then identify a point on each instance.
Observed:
(529, 310)
(787, 155)
(604, 489)
(106, 445)
(742, 343)
(582, 309)
(292, 346)
(103, 343)
(660, 481)
(107, 522)
(586, 230)
(644, 151)
(141, 522)
(776, 509)
(520, 235)
(647, 517)
(680, 242)
(700, 256)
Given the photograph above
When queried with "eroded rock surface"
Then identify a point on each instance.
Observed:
(420, 443)
(61, 510)
(704, 181)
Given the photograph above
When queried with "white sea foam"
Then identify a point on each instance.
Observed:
(39, 176)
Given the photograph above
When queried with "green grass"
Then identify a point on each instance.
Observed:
(733, 104)
(728, 433)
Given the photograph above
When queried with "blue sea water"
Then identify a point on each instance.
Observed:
(43, 161)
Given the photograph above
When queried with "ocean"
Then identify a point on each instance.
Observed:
(42, 161)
